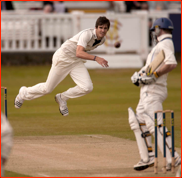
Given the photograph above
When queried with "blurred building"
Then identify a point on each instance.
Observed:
(7, 5)
(28, 29)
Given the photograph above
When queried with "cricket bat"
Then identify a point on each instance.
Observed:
(155, 63)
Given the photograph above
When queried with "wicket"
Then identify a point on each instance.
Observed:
(5, 101)
(164, 141)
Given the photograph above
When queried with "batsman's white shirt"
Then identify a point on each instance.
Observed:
(152, 96)
(165, 43)
(65, 62)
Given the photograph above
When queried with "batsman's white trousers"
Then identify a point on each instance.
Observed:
(148, 104)
(61, 67)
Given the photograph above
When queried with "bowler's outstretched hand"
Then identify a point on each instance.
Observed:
(102, 61)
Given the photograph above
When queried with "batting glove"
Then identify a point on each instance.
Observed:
(135, 79)
(147, 80)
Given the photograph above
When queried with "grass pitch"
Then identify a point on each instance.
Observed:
(103, 111)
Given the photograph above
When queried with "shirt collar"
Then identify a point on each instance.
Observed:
(94, 32)
(164, 36)
(95, 36)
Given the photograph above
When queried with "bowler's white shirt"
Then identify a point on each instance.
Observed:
(165, 43)
(85, 38)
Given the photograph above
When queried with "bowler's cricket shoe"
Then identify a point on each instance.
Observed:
(18, 100)
(62, 105)
(144, 165)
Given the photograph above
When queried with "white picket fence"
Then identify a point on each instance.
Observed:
(39, 32)
(27, 31)
(34, 32)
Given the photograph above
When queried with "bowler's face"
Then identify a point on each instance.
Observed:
(101, 31)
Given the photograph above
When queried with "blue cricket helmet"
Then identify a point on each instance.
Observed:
(163, 23)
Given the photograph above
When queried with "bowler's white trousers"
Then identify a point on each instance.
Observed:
(61, 67)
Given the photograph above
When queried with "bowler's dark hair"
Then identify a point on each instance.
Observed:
(102, 21)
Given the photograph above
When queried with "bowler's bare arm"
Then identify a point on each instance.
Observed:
(80, 52)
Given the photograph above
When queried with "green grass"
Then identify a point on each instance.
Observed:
(14, 174)
(103, 111)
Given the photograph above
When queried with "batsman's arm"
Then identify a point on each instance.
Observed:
(80, 52)
(147, 80)
(165, 69)
(157, 61)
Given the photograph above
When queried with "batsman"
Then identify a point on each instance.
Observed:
(152, 79)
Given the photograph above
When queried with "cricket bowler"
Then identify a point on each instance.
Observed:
(69, 60)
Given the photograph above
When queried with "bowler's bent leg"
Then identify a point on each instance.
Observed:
(82, 78)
